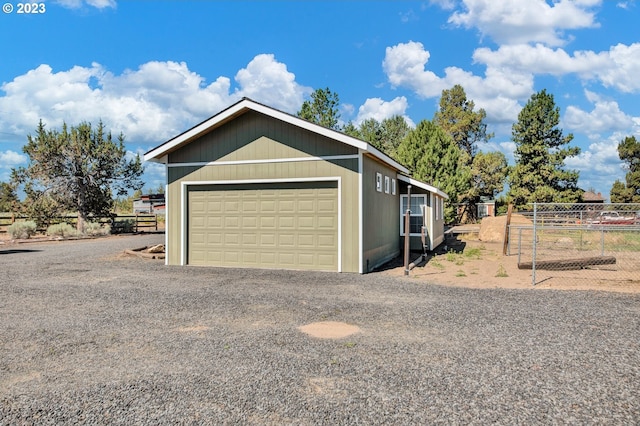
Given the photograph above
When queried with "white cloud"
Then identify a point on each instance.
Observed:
(268, 81)
(76, 4)
(404, 65)
(444, 4)
(498, 92)
(524, 21)
(8, 160)
(378, 109)
(11, 159)
(618, 67)
(606, 117)
(151, 103)
(599, 165)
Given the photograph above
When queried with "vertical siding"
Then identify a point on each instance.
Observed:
(381, 221)
(345, 169)
(236, 141)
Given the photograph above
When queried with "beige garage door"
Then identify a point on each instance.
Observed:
(288, 226)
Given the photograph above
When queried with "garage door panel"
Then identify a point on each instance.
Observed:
(214, 206)
(287, 206)
(249, 239)
(214, 222)
(272, 226)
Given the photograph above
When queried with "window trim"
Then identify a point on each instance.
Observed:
(379, 182)
(423, 206)
(393, 187)
(386, 185)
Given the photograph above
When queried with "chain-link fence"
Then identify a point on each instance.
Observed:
(573, 242)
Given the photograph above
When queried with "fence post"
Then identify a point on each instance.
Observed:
(535, 242)
(602, 240)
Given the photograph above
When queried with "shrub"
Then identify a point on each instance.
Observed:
(62, 230)
(123, 226)
(22, 229)
(95, 229)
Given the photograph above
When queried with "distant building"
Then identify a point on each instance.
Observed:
(150, 203)
(486, 207)
(592, 197)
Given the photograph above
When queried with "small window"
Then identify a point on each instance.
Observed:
(379, 182)
(387, 188)
(393, 187)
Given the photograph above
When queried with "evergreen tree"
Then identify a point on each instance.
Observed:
(77, 169)
(458, 119)
(456, 116)
(489, 172)
(433, 157)
(541, 149)
(8, 198)
(371, 131)
(322, 109)
(628, 191)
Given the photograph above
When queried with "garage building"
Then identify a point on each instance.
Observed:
(255, 187)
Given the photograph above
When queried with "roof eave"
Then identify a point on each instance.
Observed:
(422, 185)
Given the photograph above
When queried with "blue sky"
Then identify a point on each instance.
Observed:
(152, 69)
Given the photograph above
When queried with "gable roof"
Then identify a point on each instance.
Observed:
(158, 153)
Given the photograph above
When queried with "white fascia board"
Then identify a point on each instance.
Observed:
(385, 158)
(422, 185)
(247, 104)
(162, 150)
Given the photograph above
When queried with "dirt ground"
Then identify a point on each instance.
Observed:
(472, 263)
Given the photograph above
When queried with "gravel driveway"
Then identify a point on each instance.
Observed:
(89, 336)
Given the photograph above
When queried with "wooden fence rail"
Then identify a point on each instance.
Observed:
(119, 223)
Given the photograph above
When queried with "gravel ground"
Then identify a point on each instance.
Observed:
(91, 337)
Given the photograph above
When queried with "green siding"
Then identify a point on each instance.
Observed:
(381, 211)
(346, 169)
(254, 136)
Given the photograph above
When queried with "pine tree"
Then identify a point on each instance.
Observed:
(322, 109)
(541, 149)
(628, 191)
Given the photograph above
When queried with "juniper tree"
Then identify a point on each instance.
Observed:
(78, 169)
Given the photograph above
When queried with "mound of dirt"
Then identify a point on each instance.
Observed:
(492, 228)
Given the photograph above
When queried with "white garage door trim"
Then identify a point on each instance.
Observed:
(183, 205)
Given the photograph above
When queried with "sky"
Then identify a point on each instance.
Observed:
(153, 69)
